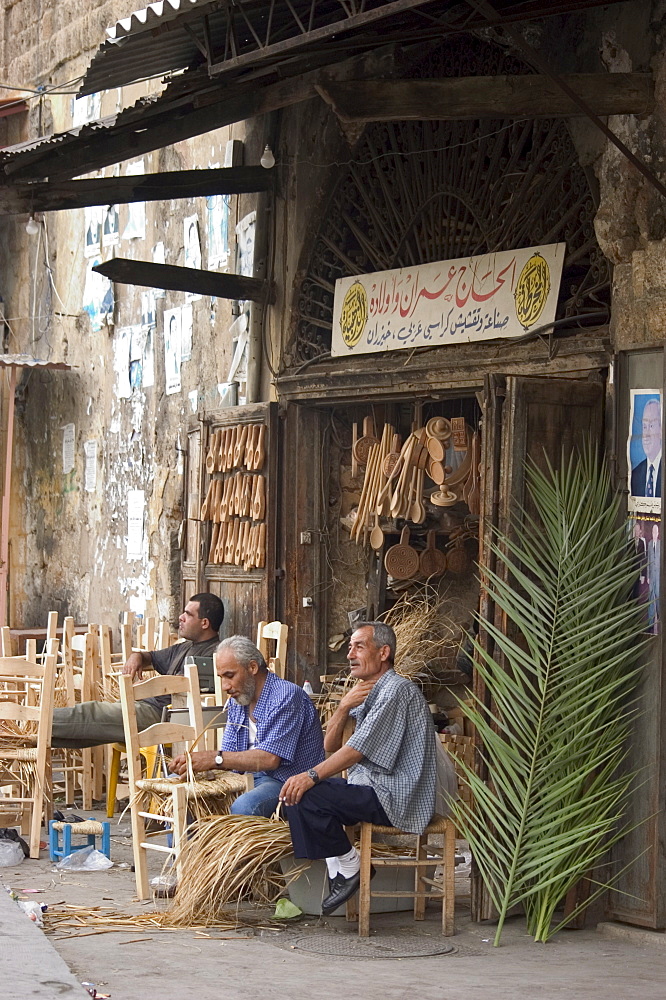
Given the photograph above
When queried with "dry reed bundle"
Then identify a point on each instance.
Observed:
(424, 631)
(228, 859)
(205, 796)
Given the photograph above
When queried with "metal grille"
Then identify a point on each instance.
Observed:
(426, 191)
(382, 946)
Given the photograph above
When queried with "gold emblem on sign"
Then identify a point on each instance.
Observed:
(354, 314)
(532, 290)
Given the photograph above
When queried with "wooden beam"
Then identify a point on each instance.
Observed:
(528, 96)
(186, 279)
(55, 196)
(167, 122)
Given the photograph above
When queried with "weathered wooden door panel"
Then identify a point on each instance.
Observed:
(537, 419)
(639, 896)
(248, 595)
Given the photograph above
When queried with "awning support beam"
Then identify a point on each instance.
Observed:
(187, 279)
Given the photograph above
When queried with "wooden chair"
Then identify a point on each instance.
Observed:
(219, 790)
(26, 765)
(275, 632)
(425, 888)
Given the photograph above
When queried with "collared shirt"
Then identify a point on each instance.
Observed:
(287, 725)
(396, 735)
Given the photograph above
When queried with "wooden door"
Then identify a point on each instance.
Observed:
(246, 587)
(523, 418)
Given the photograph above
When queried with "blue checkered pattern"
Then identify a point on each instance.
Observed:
(396, 735)
(287, 725)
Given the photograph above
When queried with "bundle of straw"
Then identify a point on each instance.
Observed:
(424, 630)
(226, 860)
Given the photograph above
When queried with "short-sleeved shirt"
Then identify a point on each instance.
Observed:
(172, 660)
(287, 725)
(396, 735)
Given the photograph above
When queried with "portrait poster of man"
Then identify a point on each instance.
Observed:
(646, 541)
(644, 451)
(172, 350)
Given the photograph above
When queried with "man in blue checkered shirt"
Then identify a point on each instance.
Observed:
(272, 731)
(390, 759)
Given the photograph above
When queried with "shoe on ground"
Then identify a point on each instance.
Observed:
(341, 889)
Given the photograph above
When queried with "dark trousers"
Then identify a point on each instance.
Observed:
(317, 823)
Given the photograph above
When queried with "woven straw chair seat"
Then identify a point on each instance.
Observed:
(222, 784)
(436, 825)
(18, 753)
(87, 827)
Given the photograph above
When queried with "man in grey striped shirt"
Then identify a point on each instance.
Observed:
(390, 761)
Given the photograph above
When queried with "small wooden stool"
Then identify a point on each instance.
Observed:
(421, 892)
(90, 829)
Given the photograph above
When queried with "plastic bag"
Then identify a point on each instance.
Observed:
(11, 853)
(87, 859)
(32, 910)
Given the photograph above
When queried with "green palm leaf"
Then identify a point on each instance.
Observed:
(562, 690)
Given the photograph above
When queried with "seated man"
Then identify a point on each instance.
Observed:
(96, 722)
(390, 761)
(272, 731)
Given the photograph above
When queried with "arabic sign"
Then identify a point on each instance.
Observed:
(450, 302)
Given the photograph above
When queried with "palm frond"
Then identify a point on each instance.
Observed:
(561, 681)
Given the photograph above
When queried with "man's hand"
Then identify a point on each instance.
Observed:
(202, 761)
(294, 788)
(134, 666)
(357, 695)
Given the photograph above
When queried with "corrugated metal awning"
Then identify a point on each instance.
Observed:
(27, 361)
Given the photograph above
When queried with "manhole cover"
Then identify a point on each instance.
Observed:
(386, 946)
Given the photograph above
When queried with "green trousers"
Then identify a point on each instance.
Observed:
(93, 723)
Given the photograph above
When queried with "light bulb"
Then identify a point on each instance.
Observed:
(267, 159)
(32, 226)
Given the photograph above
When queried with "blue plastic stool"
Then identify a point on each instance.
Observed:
(56, 851)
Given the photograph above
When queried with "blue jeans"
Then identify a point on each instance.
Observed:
(261, 801)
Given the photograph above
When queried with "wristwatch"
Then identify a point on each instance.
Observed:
(313, 774)
(219, 760)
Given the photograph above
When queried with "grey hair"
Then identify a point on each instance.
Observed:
(244, 650)
(382, 635)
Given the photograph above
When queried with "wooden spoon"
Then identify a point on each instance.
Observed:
(365, 443)
(377, 535)
(213, 542)
(222, 442)
(401, 560)
(260, 450)
(432, 561)
(211, 457)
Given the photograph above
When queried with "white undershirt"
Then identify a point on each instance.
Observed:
(252, 733)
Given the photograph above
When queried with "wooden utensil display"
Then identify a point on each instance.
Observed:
(457, 559)
(432, 562)
(402, 561)
(365, 443)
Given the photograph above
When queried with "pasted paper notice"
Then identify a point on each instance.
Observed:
(67, 448)
(135, 508)
(90, 450)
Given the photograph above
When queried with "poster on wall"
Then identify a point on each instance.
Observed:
(110, 226)
(492, 296)
(90, 477)
(192, 244)
(135, 510)
(97, 296)
(121, 362)
(644, 451)
(646, 539)
(136, 210)
(136, 350)
(148, 379)
(68, 436)
(217, 211)
(186, 321)
(159, 257)
(245, 244)
(172, 350)
(93, 230)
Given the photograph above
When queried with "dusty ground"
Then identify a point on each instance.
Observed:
(276, 965)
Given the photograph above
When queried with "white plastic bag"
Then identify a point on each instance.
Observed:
(32, 910)
(11, 853)
(87, 859)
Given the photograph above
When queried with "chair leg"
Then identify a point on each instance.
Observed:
(98, 772)
(449, 880)
(86, 779)
(36, 823)
(364, 890)
(419, 883)
(179, 797)
(351, 906)
(138, 837)
(69, 759)
(112, 783)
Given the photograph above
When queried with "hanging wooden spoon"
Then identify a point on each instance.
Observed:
(212, 453)
(377, 535)
(260, 450)
(432, 562)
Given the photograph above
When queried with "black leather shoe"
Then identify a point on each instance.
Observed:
(342, 889)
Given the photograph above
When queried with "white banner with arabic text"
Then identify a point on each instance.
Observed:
(503, 294)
